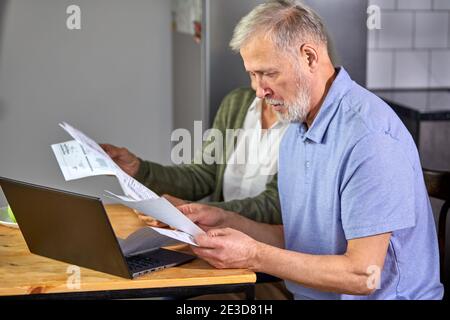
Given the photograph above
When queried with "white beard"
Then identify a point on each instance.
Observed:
(298, 110)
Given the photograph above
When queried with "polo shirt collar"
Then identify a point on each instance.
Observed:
(341, 85)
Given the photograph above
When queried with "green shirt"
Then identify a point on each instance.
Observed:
(194, 181)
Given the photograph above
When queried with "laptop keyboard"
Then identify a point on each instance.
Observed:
(139, 263)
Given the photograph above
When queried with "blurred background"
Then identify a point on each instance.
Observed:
(112, 79)
(138, 69)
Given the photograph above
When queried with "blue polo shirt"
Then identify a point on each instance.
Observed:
(356, 173)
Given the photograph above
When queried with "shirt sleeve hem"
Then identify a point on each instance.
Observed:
(362, 232)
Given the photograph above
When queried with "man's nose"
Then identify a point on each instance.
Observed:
(262, 92)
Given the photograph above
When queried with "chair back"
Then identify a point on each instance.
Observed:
(438, 186)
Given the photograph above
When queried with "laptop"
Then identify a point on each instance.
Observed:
(75, 229)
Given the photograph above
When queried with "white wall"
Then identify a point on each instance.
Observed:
(112, 79)
(412, 49)
(187, 81)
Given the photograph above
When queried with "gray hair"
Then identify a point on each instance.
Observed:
(286, 22)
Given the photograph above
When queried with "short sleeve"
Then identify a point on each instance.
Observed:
(377, 190)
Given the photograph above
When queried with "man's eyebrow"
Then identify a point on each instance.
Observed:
(269, 70)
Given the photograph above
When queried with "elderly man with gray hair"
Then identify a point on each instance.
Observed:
(357, 220)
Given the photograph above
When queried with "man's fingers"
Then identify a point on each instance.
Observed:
(186, 209)
(190, 211)
(193, 208)
(154, 223)
(114, 151)
(211, 238)
(218, 232)
(110, 149)
(145, 218)
(174, 200)
(105, 146)
(209, 255)
(205, 253)
(204, 241)
(150, 221)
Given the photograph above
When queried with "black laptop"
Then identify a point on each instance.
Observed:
(75, 229)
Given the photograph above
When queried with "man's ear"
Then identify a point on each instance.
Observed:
(310, 55)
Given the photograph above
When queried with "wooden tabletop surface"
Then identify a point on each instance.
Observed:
(24, 273)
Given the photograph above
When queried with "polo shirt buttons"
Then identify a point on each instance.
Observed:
(308, 164)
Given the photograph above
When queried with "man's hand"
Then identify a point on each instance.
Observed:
(177, 202)
(209, 217)
(155, 223)
(126, 160)
(149, 221)
(227, 249)
(206, 217)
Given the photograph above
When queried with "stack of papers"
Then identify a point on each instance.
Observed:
(83, 157)
(144, 240)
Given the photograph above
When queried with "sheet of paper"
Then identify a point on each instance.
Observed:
(82, 138)
(137, 196)
(144, 239)
(130, 186)
(77, 162)
(134, 188)
(177, 235)
(162, 210)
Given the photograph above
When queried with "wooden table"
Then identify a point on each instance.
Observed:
(26, 275)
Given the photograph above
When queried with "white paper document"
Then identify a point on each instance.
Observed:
(84, 158)
(77, 162)
(177, 235)
(130, 186)
(83, 139)
(144, 239)
(134, 188)
(162, 210)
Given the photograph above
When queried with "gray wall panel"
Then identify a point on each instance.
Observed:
(111, 79)
(223, 70)
(187, 81)
(346, 24)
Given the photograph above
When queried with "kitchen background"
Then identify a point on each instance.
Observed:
(129, 78)
(412, 51)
